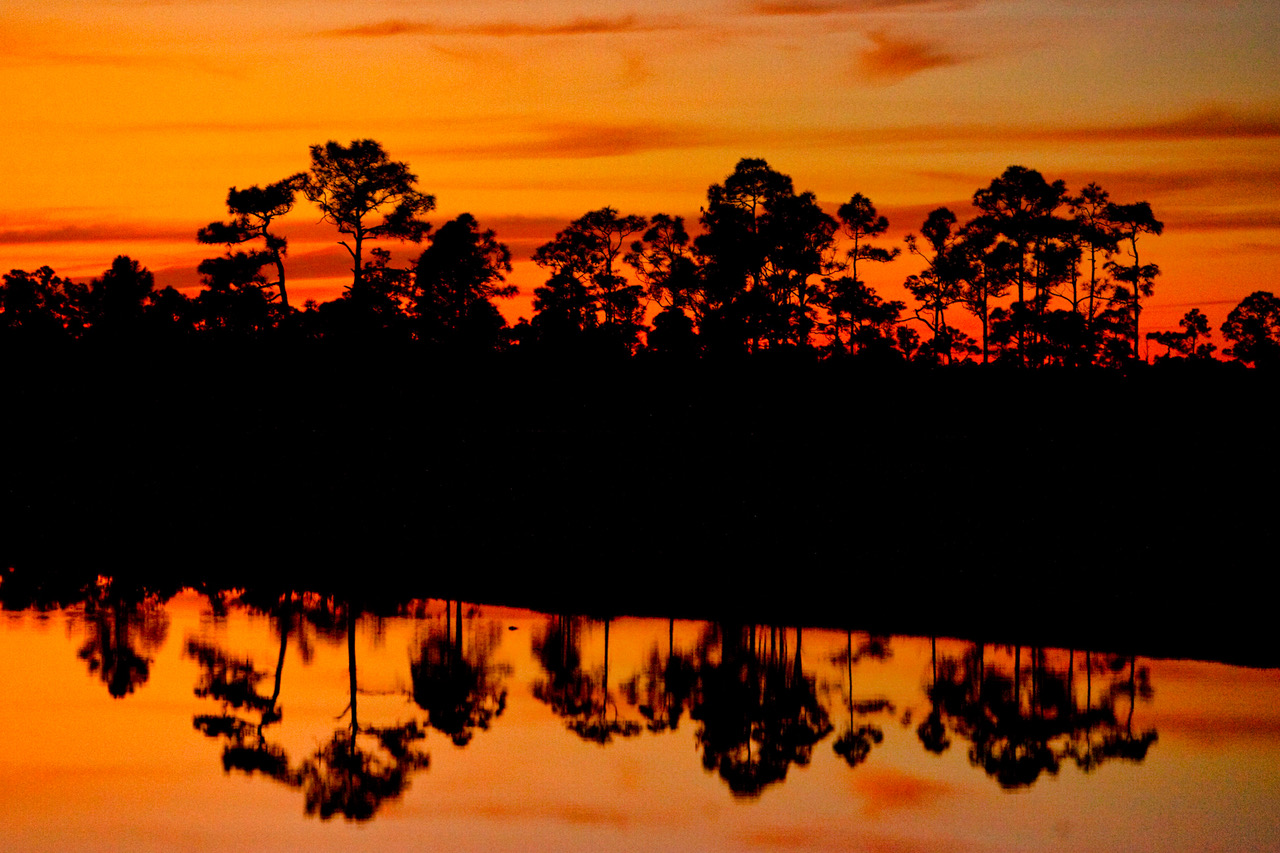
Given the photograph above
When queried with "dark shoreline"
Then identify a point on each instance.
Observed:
(1083, 508)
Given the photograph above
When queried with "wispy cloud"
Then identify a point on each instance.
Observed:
(108, 59)
(892, 58)
(1265, 219)
(502, 29)
(843, 7)
(584, 140)
(95, 233)
(1209, 123)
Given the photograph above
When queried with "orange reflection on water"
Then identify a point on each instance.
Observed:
(631, 734)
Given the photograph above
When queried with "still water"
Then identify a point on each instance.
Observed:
(193, 724)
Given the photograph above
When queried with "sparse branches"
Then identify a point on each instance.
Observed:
(1136, 280)
(354, 184)
(253, 211)
(664, 263)
(939, 285)
(1095, 236)
(859, 222)
(1194, 326)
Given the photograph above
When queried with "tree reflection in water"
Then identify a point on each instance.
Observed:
(591, 710)
(461, 690)
(759, 712)
(233, 682)
(1022, 724)
(1022, 712)
(662, 689)
(353, 773)
(855, 742)
(125, 626)
(1101, 738)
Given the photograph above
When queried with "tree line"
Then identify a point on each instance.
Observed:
(1050, 277)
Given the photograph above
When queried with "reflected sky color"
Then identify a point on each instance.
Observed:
(82, 770)
(128, 120)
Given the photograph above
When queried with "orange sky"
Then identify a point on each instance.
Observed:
(128, 120)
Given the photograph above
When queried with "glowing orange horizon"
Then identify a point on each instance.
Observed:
(127, 130)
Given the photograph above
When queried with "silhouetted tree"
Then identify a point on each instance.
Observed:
(847, 295)
(871, 320)
(664, 262)
(170, 315)
(39, 307)
(761, 244)
(1194, 326)
(984, 264)
(1253, 328)
(253, 211)
(455, 281)
(940, 284)
(117, 299)
(233, 304)
(1018, 209)
(375, 311)
(673, 334)
(1097, 239)
(367, 195)
(586, 288)
(1135, 280)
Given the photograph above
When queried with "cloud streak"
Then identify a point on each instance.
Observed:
(116, 61)
(584, 26)
(585, 140)
(579, 140)
(69, 233)
(784, 8)
(892, 58)
(1209, 123)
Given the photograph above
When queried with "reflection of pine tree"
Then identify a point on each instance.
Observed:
(351, 778)
(661, 690)
(856, 741)
(351, 774)
(759, 713)
(461, 691)
(933, 732)
(1022, 724)
(121, 629)
(360, 766)
(591, 710)
(233, 682)
(1100, 737)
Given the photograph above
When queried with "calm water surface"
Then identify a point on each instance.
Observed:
(200, 725)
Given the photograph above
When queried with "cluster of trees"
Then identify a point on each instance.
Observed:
(1050, 277)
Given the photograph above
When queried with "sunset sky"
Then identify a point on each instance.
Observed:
(128, 120)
